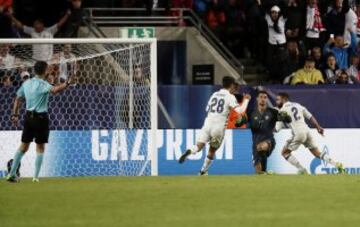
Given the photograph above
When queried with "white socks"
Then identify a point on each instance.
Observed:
(293, 161)
(206, 165)
(327, 159)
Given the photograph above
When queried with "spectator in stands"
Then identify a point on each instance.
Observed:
(65, 64)
(353, 70)
(24, 75)
(335, 18)
(316, 53)
(6, 59)
(350, 25)
(215, 18)
(72, 25)
(295, 58)
(308, 75)
(314, 25)
(339, 49)
(41, 52)
(200, 7)
(358, 21)
(295, 19)
(5, 23)
(181, 4)
(331, 69)
(344, 78)
(276, 51)
(255, 30)
(236, 27)
(6, 81)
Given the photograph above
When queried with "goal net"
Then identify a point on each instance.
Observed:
(106, 123)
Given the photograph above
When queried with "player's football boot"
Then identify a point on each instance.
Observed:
(202, 173)
(270, 172)
(303, 172)
(35, 180)
(184, 156)
(340, 168)
(12, 179)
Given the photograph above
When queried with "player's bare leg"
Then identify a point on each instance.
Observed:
(208, 161)
(24, 147)
(40, 148)
(325, 157)
(286, 153)
(196, 148)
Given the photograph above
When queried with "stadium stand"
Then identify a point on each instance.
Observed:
(289, 30)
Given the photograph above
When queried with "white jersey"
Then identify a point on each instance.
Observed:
(67, 66)
(218, 109)
(220, 104)
(298, 114)
(42, 52)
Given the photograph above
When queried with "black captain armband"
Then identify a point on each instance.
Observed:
(284, 117)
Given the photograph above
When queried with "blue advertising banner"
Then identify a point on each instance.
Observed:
(125, 152)
(233, 157)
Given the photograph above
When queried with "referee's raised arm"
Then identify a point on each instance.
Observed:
(61, 87)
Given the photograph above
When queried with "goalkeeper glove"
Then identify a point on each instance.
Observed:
(284, 117)
(241, 121)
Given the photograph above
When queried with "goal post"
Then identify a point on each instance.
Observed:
(115, 94)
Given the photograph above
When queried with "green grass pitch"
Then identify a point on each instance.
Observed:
(269, 201)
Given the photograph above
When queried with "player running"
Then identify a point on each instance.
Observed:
(218, 108)
(36, 92)
(301, 133)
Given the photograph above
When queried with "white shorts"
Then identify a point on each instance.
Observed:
(298, 139)
(212, 133)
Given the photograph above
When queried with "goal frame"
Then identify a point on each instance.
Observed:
(153, 82)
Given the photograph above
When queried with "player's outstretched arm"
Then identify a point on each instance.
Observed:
(244, 105)
(63, 20)
(15, 114)
(61, 87)
(16, 22)
(317, 125)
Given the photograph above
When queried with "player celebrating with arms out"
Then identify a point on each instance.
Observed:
(218, 108)
(301, 133)
(36, 92)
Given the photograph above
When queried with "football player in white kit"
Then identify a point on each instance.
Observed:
(301, 133)
(218, 109)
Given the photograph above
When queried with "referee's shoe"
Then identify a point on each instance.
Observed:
(12, 179)
(16, 178)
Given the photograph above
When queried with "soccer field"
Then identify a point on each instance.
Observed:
(329, 200)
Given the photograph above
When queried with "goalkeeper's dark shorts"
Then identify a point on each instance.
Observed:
(36, 127)
(259, 157)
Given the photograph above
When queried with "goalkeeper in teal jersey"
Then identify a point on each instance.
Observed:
(35, 92)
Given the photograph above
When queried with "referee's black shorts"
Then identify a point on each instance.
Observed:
(36, 126)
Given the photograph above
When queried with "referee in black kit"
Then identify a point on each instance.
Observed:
(262, 122)
(36, 92)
